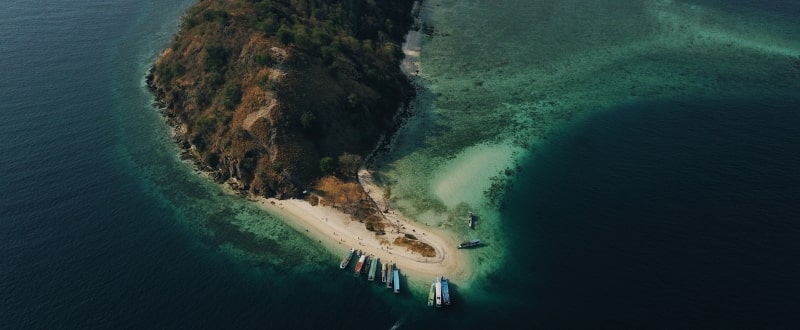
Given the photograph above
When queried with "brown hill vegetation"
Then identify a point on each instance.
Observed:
(272, 95)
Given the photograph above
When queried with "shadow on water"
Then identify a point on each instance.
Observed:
(404, 292)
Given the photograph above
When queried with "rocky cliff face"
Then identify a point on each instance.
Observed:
(273, 95)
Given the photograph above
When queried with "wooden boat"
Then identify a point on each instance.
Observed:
(469, 244)
(360, 264)
(367, 263)
(346, 259)
(389, 276)
(432, 294)
(373, 267)
(445, 291)
(396, 280)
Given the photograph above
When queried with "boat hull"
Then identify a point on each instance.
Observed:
(432, 294)
(359, 265)
(469, 244)
(346, 259)
(438, 287)
(390, 276)
(373, 267)
(396, 281)
(445, 291)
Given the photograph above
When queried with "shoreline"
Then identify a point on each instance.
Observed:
(337, 233)
(335, 230)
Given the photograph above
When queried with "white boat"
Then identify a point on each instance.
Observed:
(438, 286)
(468, 244)
(347, 258)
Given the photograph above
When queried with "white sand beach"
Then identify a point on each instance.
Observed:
(338, 232)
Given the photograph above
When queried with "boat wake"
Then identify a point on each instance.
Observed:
(397, 324)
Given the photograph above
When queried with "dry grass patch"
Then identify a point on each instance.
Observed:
(410, 242)
(350, 198)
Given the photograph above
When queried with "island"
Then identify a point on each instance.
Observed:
(285, 101)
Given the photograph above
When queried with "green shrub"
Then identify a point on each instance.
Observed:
(249, 164)
(216, 57)
(263, 59)
(284, 35)
(199, 142)
(206, 125)
(327, 165)
(307, 120)
(302, 40)
(222, 116)
(321, 37)
(333, 68)
(277, 168)
(220, 16)
(215, 79)
(231, 96)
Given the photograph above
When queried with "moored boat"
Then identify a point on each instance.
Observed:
(384, 272)
(468, 244)
(445, 291)
(432, 294)
(389, 276)
(367, 264)
(438, 287)
(373, 267)
(396, 280)
(346, 259)
(360, 265)
(470, 217)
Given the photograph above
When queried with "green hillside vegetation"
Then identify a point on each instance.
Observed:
(270, 94)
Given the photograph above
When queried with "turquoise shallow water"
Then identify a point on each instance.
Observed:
(498, 79)
(616, 183)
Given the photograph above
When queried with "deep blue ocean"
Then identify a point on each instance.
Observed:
(682, 216)
(670, 214)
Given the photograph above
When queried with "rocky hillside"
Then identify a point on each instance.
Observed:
(272, 95)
